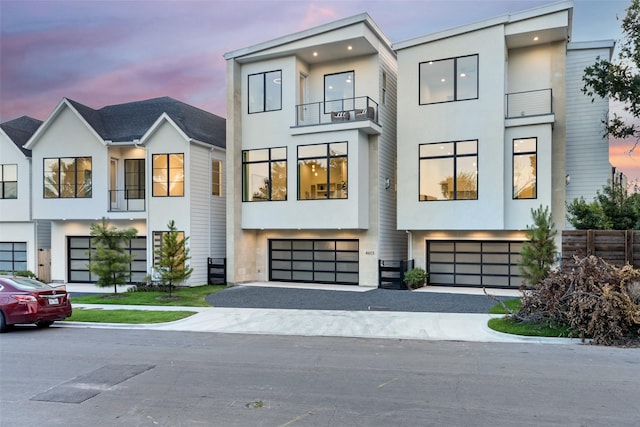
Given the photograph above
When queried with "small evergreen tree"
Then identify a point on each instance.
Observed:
(110, 262)
(172, 256)
(539, 251)
(611, 209)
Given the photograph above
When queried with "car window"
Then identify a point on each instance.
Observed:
(26, 284)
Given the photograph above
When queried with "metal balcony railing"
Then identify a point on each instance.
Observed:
(127, 200)
(340, 110)
(529, 103)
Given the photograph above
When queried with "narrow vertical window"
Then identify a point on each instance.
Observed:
(383, 98)
(525, 159)
(134, 185)
(8, 181)
(216, 178)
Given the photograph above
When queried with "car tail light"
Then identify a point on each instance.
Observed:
(23, 299)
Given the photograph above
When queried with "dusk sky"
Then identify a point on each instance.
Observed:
(103, 52)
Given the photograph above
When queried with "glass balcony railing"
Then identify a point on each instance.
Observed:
(336, 111)
(529, 103)
(127, 200)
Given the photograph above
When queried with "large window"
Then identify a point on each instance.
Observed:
(525, 168)
(13, 256)
(449, 171)
(67, 177)
(322, 171)
(339, 91)
(134, 185)
(216, 178)
(8, 181)
(444, 80)
(168, 175)
(264, 174)
(265, 92)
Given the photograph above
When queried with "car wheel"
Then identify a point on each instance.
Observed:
(44, 323)
(3, 326)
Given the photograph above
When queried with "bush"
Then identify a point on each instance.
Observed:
(596, 299)
(415, 278)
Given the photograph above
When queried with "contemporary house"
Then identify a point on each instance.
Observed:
(139, 164)
(312, 137)
(24, 242)
(491, 124)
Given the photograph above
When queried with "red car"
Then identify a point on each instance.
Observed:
(24, 300)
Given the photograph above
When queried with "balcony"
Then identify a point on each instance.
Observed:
(338, 111)
(127, 200)
(529, 103)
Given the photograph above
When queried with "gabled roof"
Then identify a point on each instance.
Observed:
(20, 130)
(130, 121)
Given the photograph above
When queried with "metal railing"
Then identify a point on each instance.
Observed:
(529, 103)
(127, 200)
(339, 110)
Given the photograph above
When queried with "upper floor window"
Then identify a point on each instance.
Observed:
(8, 181)
(449, 171)
(264, 174)
(168, 175)
(265, 91)
(216, 178)
(67, 177)
(322, 171)
(339, 91)
(134, 182)
(444, 80)
(525, 168)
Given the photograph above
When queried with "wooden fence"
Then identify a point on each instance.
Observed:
(617, 247)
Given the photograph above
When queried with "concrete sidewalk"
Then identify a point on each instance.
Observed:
(334, 323)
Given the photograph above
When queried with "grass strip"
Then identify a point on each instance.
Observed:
(509, 326)
(98, 315)
(186, 296)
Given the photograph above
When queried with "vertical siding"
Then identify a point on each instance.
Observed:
(587, 151)
(393, 244)
(199, 170)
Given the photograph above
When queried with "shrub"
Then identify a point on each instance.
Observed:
(596, 299)
(415, 278)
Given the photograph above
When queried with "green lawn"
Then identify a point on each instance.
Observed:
(187, 296)
(509, 326)
(126, 316)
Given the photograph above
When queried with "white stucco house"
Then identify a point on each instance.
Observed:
(139, 164)
(492, 123)
(24, 242)
(312, 136)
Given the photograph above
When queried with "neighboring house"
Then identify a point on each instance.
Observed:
(24, 243)
(312, 137)
(139, 164)
(491, 124)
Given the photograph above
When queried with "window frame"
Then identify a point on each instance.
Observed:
(13, 251)
(89, 193)
(216, 177)
(140, 185)
(4, 183)
(341, 100)
(269, 161)
(264, 108)
(513, 167)
(454, 158)
(168, 170)
(454, 77)
(328, 157)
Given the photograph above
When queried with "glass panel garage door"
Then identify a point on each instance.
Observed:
(78, 259)
(314, 261)
(474, 263)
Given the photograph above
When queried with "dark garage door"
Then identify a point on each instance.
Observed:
(474, 263)
(314, 261)
(78, 259)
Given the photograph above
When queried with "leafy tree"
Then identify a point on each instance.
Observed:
(611, 209)
(539, 251)
(620, 81)
(110, 262)
(173, 255)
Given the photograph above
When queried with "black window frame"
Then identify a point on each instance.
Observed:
(216, 175)
(454, 76)
(341, 100)
(4, 184)
(13, 251)
(513, 166)
(270, 161)
(88, 194)
(328, 158)
(137, 190)
(264, 92)
(153, 169)
(454, 157)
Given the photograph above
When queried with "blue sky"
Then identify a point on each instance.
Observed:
(102, 52)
